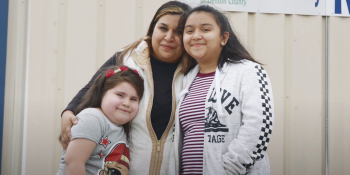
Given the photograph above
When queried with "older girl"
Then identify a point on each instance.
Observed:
(224, 122)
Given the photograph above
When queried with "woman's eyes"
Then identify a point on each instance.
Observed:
(204, 30)
(134, 99)
(120, 95)
(163, 28)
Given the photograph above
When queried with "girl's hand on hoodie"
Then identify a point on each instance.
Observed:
(68, 119)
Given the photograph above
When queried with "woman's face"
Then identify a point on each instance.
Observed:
(166, 41)
(202, 38)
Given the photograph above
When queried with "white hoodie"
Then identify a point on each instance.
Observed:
(238, 129)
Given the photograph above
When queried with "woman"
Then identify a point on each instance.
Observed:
(224, 123)
(157, 58)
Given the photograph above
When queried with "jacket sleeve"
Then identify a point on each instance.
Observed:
(251, 143)
(77, 99)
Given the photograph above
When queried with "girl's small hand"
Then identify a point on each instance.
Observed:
(68, 119)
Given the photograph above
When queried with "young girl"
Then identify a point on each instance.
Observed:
(99, 140)
(224, 122)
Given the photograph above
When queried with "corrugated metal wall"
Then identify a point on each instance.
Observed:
(69, 40)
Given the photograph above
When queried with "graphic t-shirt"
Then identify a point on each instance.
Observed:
(111, 153)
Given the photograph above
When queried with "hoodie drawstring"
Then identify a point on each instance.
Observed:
(218, 92)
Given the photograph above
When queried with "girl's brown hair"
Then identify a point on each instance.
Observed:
(93, 97)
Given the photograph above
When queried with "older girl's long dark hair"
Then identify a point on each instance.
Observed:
(233, 51)
(93, 97)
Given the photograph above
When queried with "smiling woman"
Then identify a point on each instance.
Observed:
(166, 41)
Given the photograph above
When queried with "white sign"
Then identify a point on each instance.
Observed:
(302, 7)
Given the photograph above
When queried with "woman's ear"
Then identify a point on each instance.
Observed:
(225, 37)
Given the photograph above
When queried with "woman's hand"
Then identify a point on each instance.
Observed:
(68, 119)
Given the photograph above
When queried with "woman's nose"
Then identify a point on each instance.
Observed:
(169, 36)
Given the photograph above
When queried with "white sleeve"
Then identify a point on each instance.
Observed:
(257, 121)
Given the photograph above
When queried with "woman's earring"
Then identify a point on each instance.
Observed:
(222, 43)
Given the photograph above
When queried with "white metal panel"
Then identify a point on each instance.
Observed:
(42, 133)
(339, 85)
(81, 44)
(120, 26)
(304, 108)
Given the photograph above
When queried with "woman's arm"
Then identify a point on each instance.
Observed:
(78, 153)
(67, 120)
(68, 115)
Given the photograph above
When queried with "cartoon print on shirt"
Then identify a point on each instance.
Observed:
(117, 161)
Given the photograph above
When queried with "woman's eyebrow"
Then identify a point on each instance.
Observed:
(205, 24)
(163, 24)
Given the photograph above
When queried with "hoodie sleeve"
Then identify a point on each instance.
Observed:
(257, 121)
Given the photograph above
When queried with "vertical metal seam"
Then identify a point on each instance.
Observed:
(101, 36)
(27, 5)
(326, 95)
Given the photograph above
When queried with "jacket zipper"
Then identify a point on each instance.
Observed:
(157, 157)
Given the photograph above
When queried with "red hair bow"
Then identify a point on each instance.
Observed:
(121, 68)
(109, 73)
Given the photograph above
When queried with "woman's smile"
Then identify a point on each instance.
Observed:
(167, 47)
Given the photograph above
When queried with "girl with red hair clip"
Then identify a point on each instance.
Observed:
(99, 143)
